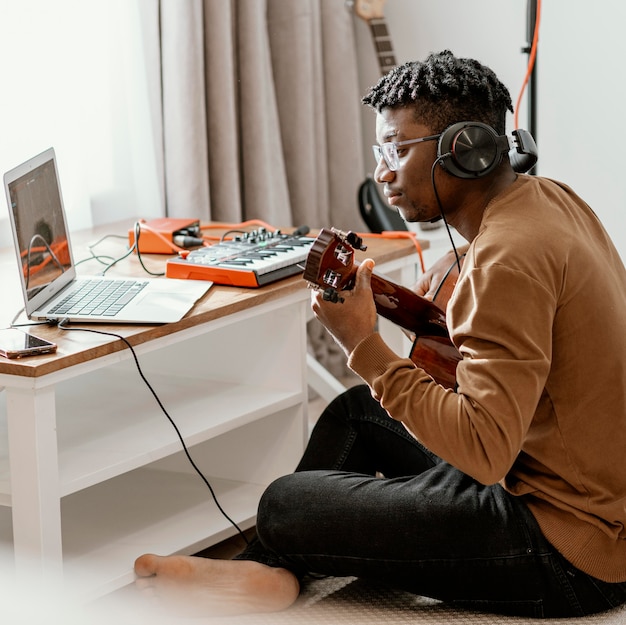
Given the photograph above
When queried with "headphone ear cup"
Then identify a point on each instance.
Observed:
(469, 149)
(524, 155)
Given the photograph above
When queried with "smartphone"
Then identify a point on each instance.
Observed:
(15, 343)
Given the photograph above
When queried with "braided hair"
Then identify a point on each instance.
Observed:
(444, 90)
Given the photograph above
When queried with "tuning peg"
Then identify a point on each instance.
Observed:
(331, 295)
(355, 241)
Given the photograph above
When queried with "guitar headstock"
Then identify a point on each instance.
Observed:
(369, 9)
(330, 263)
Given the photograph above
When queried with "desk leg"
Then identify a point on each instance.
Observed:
(35, 487)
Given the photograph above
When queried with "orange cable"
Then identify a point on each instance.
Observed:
(398, 234)
(531, 63)
(225, 226)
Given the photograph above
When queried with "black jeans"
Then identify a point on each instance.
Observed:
(424, 527)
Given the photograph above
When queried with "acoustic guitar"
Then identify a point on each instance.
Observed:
(331, 267)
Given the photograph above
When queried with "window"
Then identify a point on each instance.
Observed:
(74, 78)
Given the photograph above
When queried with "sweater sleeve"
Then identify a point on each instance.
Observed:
(506, 349)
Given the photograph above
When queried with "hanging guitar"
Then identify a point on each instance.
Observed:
(375, 211)
(331, 267)
(372, 12)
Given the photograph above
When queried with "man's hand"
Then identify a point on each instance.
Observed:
(430, 280)
(354, 319)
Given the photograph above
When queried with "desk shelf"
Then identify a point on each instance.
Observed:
(106, 527)
(102, 440)
(92, 472)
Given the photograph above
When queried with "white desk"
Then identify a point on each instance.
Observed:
(91, 471)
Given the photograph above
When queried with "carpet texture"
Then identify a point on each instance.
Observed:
(350, 601)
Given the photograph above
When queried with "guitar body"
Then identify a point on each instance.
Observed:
(331, 266)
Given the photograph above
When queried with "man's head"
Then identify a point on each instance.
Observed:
(416, 103)
(444, 90)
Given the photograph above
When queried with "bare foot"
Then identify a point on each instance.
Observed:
(203, 587)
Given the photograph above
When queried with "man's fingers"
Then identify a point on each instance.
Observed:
(364, 273)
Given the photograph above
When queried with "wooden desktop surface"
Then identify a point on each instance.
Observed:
(78, 347)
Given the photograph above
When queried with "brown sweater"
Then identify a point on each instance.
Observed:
(539, 315)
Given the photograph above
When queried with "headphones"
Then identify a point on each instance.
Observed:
(472, 150)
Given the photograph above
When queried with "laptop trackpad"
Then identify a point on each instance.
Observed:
(169, 305)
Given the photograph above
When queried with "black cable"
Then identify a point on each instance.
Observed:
(229, 232)
(117, 260)
(19, 312)
(104, 238)
(25, 325)
(439, 159)
(133, 248)
(136, 248)
(61, 326)
(100, 257)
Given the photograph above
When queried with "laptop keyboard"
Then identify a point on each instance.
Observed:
(99, 298)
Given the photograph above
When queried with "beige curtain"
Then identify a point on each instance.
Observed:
(257, 107)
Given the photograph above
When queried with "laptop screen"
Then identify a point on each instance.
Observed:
(39, 227)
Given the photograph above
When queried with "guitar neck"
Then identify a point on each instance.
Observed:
(407, 309)
(382, 43)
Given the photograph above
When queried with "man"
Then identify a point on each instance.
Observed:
(507, 493)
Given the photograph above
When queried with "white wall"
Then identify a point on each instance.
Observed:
(581, 92)
(582, 100)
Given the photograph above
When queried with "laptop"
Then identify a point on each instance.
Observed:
(51, 288)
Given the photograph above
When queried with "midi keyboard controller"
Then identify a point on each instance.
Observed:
(252, 259)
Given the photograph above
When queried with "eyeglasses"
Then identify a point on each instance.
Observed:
(389, 151)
